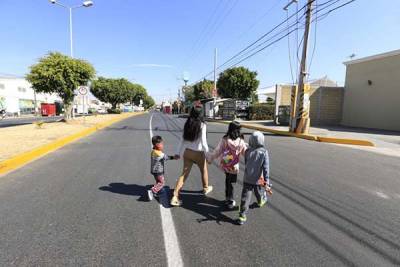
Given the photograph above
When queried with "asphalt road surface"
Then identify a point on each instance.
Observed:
(9, 122)
(84, 205)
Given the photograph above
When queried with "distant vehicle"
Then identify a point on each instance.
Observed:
(232, 108)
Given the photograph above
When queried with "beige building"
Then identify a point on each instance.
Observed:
(326, 101)
(372, 92)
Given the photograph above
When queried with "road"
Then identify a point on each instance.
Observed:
(83, 205)
(9, 122)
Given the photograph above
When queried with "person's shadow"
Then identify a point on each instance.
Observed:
(127, 189)
(209, 208)
(137, 190)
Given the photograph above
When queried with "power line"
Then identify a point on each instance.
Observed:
(204, 31)
(260, 38)
(213, 29)
(277, 40)
(315, 44)
(247, 31)
(289, 54)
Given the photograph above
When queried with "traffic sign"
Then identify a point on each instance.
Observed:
(83, 90)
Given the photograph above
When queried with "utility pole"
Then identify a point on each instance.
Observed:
(215, 82)
(301, 121)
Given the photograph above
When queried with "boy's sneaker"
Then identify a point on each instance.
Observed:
(150, 195)
(262, 202)
(207, 190)
(231, 204)
(175, 202)
(242, 219)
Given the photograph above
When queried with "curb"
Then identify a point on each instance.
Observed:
(321, 139)
(22, 159)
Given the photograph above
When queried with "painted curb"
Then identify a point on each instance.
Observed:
(321, 139)
(22, 159)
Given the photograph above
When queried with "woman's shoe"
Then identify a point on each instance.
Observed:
(176, 202)
(207, 190)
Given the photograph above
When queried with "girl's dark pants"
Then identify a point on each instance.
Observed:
(230, 179)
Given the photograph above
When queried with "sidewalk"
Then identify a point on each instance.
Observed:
(386, 142)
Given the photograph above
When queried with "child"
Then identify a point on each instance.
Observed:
(228, 150)
(158, 159)
(257, 165)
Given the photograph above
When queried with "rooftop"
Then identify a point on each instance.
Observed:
(374, 57)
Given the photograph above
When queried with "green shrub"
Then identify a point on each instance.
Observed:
(263, 111)
(113, 111)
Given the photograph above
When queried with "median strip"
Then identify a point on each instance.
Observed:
(22, 159)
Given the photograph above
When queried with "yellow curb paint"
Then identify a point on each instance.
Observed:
(310, 137)
(345, 141)
(26, 157)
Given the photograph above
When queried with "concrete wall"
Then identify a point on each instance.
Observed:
(326, 103)
(375, 105)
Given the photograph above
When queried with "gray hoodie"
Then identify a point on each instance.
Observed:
(257, 160)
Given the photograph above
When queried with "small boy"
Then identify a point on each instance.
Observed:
(158, 159)
(257, 165)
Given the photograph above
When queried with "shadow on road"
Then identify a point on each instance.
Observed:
(210, 208)
(128, 189)
(138, 190)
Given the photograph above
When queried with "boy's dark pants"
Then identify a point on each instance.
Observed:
(230, 179)
(246, 197)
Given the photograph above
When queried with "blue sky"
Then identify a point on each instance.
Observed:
(153, 41)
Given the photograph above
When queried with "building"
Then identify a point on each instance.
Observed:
(18, 98)
(266, 93)
(372, 92)
(326, 101)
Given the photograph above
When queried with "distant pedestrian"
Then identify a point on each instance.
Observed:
(158, 159)
(194, 146)
(256, 175)
(228, 151)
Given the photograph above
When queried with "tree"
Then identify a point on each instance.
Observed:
(140, 94)
(113, 91)
(60, 74)
(237, 82)
(148, 102)
(203, 89)
(189, 94)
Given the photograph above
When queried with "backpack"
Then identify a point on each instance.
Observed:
(229, 159)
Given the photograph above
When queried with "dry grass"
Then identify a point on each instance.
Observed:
(19, 139)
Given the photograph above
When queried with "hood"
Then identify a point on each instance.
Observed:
(234, 144)
(256, 140)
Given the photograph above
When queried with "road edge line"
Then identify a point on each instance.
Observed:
(24, 158)
(171, 242)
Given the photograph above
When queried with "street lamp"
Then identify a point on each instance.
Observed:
(70, 8)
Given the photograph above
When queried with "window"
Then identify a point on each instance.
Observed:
(2, 86)
(21, 89)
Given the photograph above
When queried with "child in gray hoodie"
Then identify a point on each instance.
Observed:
(256, 175)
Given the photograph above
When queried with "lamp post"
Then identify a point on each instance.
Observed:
(70, 8)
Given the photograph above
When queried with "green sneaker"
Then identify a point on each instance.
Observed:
(262, 203)
(242, 219)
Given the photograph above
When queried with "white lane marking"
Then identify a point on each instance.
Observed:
(382, 195)
(171, 243)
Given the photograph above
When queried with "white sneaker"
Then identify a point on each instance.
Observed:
(207, 190)
(149, 195)
(232, 204)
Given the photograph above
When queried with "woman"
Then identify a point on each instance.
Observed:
(194, 145)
